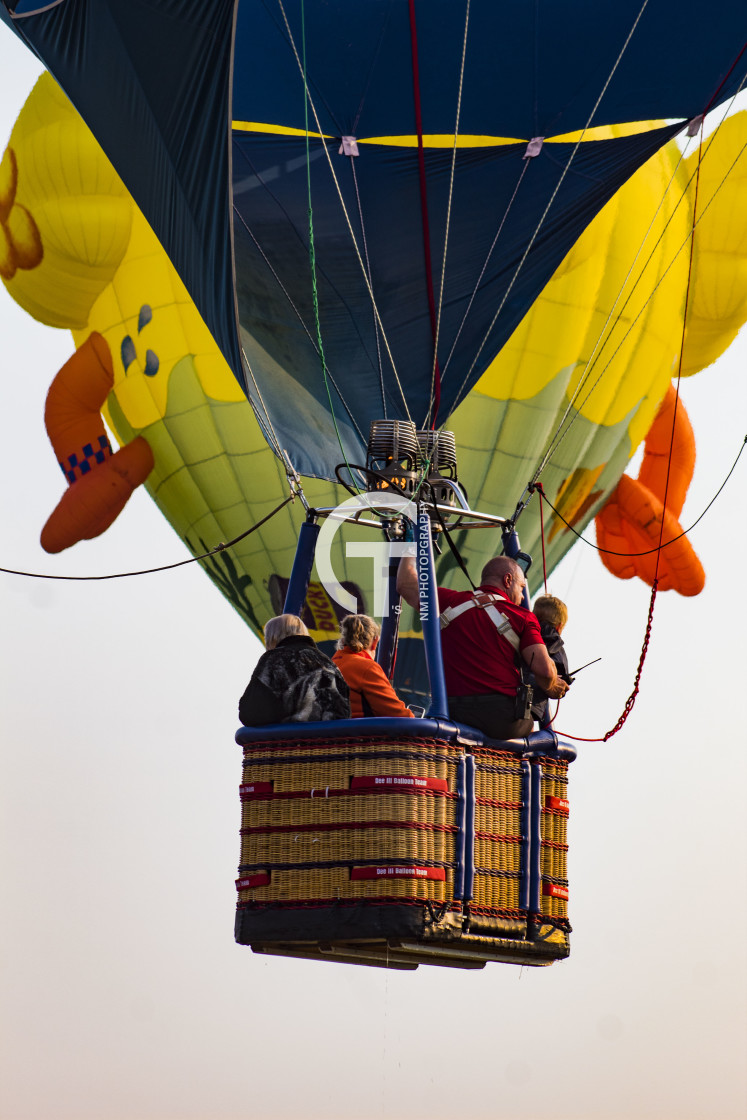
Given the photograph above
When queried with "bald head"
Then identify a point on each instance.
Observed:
(505, 573)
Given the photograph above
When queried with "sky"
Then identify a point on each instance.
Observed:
(122, 993)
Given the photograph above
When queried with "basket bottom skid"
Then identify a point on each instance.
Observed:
(408, 955)
(398, 937)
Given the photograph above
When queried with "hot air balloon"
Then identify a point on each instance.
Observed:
(404, 181)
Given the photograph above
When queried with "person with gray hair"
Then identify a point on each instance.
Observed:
(487, 636)
(293, 682)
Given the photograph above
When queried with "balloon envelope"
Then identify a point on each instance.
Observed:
(306, 76)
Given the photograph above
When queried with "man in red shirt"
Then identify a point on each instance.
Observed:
(481, 644)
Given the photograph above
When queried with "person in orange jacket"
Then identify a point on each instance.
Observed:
(371, 692)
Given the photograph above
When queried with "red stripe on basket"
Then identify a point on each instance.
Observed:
(498, 837)
(558, 803)
(255, 789)
(398, 873)
(400, 781)
(554, 891)
(329, 792)
(251, 881)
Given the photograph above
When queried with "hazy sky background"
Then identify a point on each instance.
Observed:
(123, 995)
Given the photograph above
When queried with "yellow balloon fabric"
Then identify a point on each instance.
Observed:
(578, 384)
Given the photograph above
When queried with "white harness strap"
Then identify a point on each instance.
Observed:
(487, 601)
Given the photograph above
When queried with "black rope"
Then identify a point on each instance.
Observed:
(164, 567)
(454, 550)
(610, 552)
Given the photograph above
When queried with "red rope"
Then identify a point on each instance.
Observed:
(723, 82)
(436, 387)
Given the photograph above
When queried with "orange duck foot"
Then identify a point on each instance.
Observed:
(94, 501)
(630, 523)
(100, 483)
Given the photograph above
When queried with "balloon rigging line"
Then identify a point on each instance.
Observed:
(561, 432)
(597, 349)
(368, 268)
(682, 352)
(630, 702)
(271, 436)
(299, 317)
(650, 297)
(487, 261)
(343, 206)
(354, 128)
(35, 12)
(434, 404)
(312, 249)
(727, 110)
(164, 567)
(435, 386)
(649, 552)
(558, 185)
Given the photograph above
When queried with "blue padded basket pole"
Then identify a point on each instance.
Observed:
(429, 617)
(390, 622)
(298, 585)
(535, 847)
(469, 831)
(460, 836)
(512, 548)
(526, 838)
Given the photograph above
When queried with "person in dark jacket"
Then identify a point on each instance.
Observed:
(293, 682)
(553, 615)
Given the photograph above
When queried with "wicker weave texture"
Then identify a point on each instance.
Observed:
(554, 848)
(499, 793)
(311, 830)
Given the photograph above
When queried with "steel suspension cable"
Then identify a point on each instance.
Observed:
(491, 250)
(558, 185)
(560, 432)
(634, 321)
(435, 403)
(312, 252)
(343, 205)
(370, 281)
(436, 374)
(631, 700)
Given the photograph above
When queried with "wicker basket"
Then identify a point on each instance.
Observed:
(401, 848)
